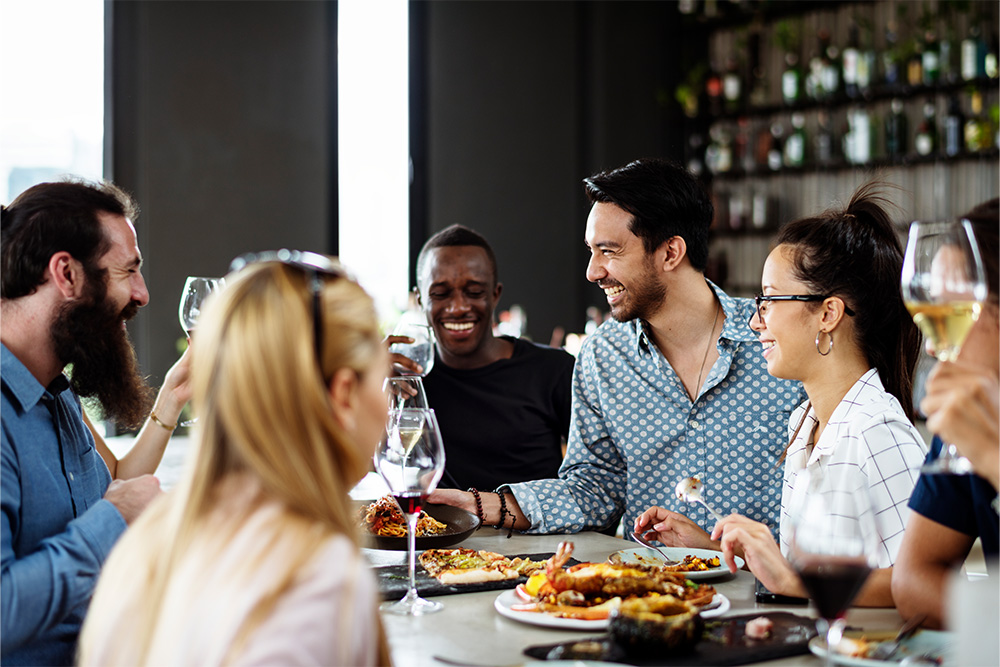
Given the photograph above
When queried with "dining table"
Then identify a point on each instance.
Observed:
(468, 630)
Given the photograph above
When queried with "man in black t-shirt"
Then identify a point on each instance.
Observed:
(503, 403)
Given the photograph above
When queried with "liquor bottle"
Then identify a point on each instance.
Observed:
(915, 65)
(791, 79)
(696, 153)
(794, 151)
(831, 66)
(858, 139)
(954, 128)
(931, 62)
(852, 63)
(823, 142)
(732, 86)
(925, 142)
(896, 131)
(990, 64)
(774, 154)
(890, 58)
(813, 75)
(973, 54)
(978, 134)
(713, 91)
(757, 95)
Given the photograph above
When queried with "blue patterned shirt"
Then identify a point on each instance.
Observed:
(57, 529)
(635, 432)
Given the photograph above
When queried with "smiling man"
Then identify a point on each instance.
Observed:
(71, 279)
(503, 403)
(673, 386)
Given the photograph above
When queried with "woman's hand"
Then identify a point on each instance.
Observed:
(673, 529)
(398, 360)
(962, 405)
(752, 540)
(175, 391)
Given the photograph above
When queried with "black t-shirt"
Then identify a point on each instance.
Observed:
(503, 423)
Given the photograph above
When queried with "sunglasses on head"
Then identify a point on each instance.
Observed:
(315, 266)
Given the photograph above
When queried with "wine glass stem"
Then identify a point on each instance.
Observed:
(834, 633)
(411, 539)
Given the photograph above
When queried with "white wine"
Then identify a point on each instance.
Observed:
(409, 438)
(946, 325)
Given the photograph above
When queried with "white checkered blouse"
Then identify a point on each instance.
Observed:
(868, 435)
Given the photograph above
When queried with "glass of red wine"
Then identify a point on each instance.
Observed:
(410, 458)
(834, 547)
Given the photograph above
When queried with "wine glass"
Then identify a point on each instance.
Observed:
(405, 391)
(944, 284)
(421, 350)
(410, 458)
(196, 290)
(833, 548)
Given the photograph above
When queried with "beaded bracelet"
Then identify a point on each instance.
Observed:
(504, 512)
(479, 505)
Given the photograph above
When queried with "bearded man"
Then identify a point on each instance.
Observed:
(70, 280)
(673, 386)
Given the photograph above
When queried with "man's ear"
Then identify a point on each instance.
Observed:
(67, 275)
(673, 251)
(344, 398)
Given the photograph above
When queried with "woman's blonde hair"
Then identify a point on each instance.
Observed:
(264, 414)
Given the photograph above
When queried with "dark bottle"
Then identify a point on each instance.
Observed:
(713, 91)
(831, 67)
(954, 128)
(794, 152)
(852, 63)
(925, 141)
(775, 152)
(732, 86)
(931, 62)
(896, 131)
(973, 54)
(915, 66)
(824, 143)
(791, 79)
(890, 59)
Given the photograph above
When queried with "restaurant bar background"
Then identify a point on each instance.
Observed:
(222, 121)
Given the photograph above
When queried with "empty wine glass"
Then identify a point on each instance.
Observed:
(410, 458)
(833, 548)
(421, 350)
(944, 284)
(196, 291)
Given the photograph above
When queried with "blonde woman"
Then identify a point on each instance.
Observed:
(253, 558)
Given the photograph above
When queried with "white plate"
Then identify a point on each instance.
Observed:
(508, 598)
(923, 641)
(646, 556)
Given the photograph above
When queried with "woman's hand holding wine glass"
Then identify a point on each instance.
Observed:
(944, 285)
(410, 458)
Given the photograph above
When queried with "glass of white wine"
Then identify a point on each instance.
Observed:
(196, 291)
(944, 285)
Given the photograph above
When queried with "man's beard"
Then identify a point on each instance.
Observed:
(643, 299)
(89, 335)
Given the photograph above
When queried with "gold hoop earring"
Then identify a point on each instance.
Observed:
(829, 349)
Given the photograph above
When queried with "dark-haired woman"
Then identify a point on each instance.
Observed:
(831, 315)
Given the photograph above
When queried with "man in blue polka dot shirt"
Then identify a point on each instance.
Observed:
(673, 386)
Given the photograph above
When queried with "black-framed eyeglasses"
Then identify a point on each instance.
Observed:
(759, 299)
(315, 266)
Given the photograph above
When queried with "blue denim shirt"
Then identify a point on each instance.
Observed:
(635, 432)
(57, 530)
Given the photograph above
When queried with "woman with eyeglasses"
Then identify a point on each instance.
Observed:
(254, 558)
(831, 315)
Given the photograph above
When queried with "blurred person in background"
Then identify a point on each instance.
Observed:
(71, 280)
(253, 558)
(503, 403)
(961, 404)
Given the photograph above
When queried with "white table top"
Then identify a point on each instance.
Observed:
(469, 628)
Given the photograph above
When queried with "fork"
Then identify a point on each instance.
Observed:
(646, 543)
(886, 650)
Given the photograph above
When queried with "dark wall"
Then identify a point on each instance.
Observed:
(222, 123)
(221, 126)
(523, 100)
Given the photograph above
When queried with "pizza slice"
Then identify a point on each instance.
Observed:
(468, 566)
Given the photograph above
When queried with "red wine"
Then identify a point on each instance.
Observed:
(410, 503)
(833, 585)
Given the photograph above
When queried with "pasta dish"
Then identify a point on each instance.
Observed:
(384, 518)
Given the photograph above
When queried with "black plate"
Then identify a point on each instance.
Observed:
(460, 523)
